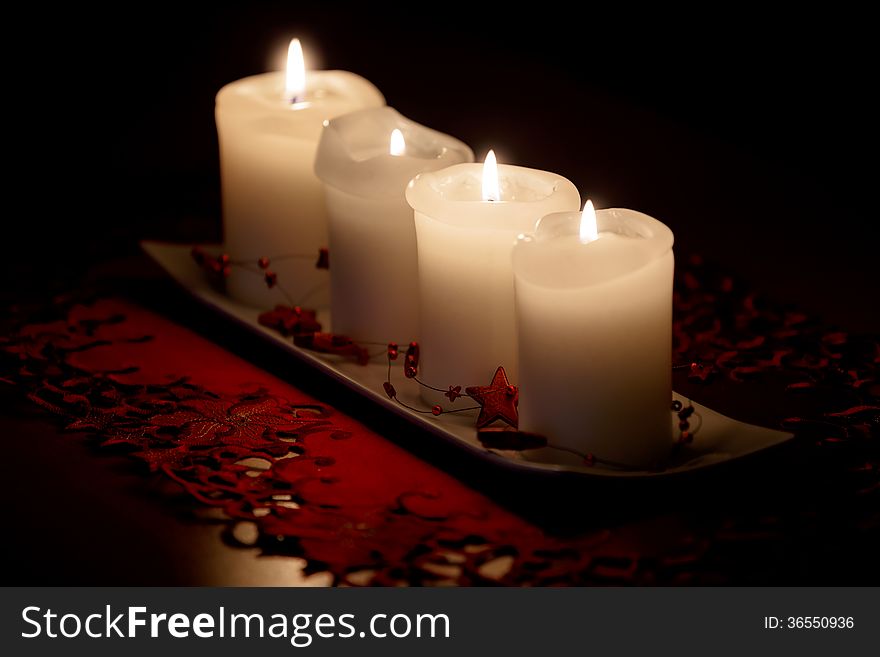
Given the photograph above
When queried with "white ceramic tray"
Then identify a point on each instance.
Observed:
(718, 439)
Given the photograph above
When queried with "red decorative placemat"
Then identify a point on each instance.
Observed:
(320, 485)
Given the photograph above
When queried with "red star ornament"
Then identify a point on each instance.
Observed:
(498, 400)
(453, 393)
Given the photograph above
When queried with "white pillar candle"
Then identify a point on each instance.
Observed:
(465, 275)
(594, 318)
(365, 160)
(269, 126)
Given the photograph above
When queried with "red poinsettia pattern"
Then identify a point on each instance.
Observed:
(212, 422)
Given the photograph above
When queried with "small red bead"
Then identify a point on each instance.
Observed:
(511, 390)
(409, 372)
(227, 270)
(392, 354)
(437, 409)
(412, 354)
(676, 406)
(589, 459)
(684, 424)
(271, 278)
(223, 259)
(263, 263)
(686, 437)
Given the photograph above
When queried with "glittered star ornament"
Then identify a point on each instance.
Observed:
(498, 400)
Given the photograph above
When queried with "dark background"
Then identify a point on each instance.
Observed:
(751, 135)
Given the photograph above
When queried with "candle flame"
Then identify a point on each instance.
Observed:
(398, 144)
(589, 231)
(295, 79)
(491, 190)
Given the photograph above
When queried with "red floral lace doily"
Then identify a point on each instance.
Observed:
(319, 485)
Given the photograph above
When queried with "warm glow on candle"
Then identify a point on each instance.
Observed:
(589, 230)
(295, 80)
(491, 188)
(398, 145)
